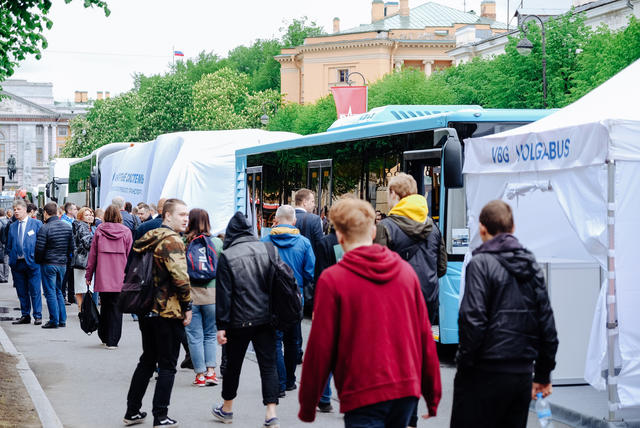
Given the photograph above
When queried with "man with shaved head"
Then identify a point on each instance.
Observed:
(296, 251)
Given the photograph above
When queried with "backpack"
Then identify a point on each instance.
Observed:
(202, 260)
(137, 292)
(285, 300)
(89, 320)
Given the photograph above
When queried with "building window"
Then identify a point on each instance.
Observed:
(62, 131)
(39, 155)
(39, 130)
(2, 158)
(343, 75)
(1, 136)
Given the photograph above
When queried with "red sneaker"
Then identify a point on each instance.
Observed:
(212, 379)
(200, 381)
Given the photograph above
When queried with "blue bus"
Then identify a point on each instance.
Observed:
(360, 155)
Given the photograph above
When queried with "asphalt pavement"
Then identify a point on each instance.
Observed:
(87, 384)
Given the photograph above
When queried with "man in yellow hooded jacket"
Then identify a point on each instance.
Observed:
(410, 232)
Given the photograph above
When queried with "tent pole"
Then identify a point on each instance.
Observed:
(612, 323)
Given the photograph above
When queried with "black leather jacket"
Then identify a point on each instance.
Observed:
(506, 322)
(4, 226)
(243, 279)
(82, 237)
(54, 245)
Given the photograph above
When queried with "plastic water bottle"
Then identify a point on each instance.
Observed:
(544, 412)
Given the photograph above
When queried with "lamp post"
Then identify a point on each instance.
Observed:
(525, 47)
(265, 118)
(351, 82)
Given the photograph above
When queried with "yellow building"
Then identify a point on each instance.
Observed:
(397, 36)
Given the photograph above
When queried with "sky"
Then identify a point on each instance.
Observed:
(89, 52)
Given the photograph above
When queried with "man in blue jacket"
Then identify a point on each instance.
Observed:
(296, 251)
(21, 244)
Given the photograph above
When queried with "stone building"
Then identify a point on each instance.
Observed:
(397, 36)
(33, 127)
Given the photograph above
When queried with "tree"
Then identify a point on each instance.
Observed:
(305, 119)
(298, 30)
(22, 24)
(257, 61)
(163, 105)
(410, 87)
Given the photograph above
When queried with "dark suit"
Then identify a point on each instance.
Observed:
(310, 226)
(25, 270)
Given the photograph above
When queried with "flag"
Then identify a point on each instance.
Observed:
(350, 100)
(178, 53)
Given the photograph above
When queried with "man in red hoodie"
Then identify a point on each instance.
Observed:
(370, 297)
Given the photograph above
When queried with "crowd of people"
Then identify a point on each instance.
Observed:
(371, 279)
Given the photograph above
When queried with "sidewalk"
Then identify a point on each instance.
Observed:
(87, 384)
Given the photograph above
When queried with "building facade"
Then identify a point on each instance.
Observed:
(397, 36)
(33, 128)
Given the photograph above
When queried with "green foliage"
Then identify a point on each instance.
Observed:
(298, 30)
(410, 87)
(163, 106)
(22, 24)
(257, 62)
(306, 119)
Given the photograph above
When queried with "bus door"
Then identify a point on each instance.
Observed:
(424, 166)
(319, 181)
(254, 200)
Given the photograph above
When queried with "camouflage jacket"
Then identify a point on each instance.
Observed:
(173, 291)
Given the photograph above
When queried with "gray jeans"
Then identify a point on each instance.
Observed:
(4, 269)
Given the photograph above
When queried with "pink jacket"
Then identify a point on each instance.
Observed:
(108, 256)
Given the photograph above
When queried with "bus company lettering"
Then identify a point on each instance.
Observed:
(530, 152)
(125, 177)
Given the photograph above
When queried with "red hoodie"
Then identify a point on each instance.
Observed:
(372, 330)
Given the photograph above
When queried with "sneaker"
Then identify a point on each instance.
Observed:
(211, 379)
(225, 418)
(273, 423)
(138, 418)
(200, 381)
(325, 407)
(292, 387)
(165, 422)
(282, 394)
(111, 348)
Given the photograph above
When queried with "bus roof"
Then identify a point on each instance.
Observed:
(103, 151)
(402, 127)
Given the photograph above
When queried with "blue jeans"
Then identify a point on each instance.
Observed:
(387, 414)
(52, 277)
(201, 335)
(287, 362)
(326, 395)
(27, 283)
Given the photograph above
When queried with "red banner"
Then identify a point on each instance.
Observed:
(350, 100)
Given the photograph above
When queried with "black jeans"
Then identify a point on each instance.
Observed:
(490, 400)
(68, 285)
(110, 327)
(161, 339)
(264, 343)
(387, 414)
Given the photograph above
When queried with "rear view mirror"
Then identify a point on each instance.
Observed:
(452, 161)
(94, 178)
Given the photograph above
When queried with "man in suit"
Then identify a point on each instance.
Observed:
(21, 244)
(127, 218)
(310, 224)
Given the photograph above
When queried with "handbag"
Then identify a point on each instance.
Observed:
(89, 320)
(79, 261)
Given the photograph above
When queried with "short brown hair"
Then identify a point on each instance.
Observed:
(112, 214)
(170, 206)
(67, 207)
(143, 206)
(353, 218)
(350, 196)
(497, 217)
(303, 195)
(403, 185)
(51, 208)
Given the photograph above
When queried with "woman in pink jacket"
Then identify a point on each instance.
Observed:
(107, 259)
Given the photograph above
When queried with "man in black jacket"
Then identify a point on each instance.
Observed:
(506, 327)
(54, 246)
(243, 282)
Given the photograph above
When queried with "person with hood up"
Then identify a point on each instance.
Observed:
(243, 284)
(370, 296)
(504, 286)
(107, 259)
(296, 252)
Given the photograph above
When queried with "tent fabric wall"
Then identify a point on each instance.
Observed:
(107, 168)
(130, 177)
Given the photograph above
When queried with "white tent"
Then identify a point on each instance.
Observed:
(204, 176)
(587, 159)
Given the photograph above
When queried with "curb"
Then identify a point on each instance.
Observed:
(580, 420)
(47, 415)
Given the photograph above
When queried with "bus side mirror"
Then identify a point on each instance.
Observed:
(452, 162)
(47, 192)
(94, 178)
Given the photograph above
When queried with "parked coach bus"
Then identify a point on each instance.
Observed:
(360, 155)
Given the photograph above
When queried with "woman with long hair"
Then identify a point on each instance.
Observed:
(82, 236)
(107, 260)
(201, 332)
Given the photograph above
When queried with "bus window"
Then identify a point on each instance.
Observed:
(456, 233)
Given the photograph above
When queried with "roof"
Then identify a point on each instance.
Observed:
(426, 15)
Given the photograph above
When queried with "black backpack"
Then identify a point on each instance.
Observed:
(137, 292)
(285, 298)
(89, 320)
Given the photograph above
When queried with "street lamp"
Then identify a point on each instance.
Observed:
(525, 47)
(351, 82)
(265, 118)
